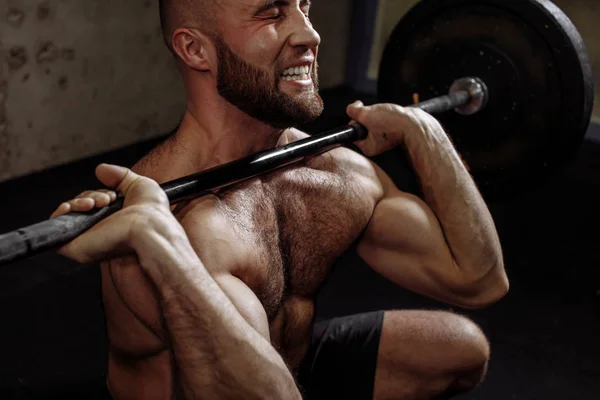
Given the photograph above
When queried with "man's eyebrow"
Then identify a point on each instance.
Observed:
(268, 4)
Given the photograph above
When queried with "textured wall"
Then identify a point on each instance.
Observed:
(584, 14)
(81, 77)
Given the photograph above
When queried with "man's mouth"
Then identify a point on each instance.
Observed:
(300, 73)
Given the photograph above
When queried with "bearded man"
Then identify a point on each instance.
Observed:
(215, 298)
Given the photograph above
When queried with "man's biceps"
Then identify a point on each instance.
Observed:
(398, 266)
(402, 222)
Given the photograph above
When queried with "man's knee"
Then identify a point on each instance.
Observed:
(468, 337)
(431, 354)
(472, 351)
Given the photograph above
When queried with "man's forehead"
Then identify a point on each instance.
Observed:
(253, 5)
(242, 3)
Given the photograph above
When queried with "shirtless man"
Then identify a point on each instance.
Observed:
(233, 318)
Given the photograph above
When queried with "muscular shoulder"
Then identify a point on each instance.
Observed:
(208, 230)
(216, 237)
(347, 162)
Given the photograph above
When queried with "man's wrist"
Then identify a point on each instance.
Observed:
(425, 130)
(164, 252)
(412, 125)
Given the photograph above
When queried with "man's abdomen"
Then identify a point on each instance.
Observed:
(291, 329)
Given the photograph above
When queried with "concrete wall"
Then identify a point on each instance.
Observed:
(81, 77)
(584, 14)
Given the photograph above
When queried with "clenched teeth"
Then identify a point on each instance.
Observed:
(304, 77)
(296, 71)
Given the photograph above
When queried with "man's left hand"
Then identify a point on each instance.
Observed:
(389, 125)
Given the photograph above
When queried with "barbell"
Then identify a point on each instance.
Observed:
(516, 73)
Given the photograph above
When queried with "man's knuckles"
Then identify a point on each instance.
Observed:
(83, 194)
(145, 190)
(147, 220)
(84, 202)
(138, 183)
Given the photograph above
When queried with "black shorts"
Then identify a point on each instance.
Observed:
(342, 358)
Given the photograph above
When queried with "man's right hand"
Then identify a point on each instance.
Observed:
(86, 201)
(145, 211)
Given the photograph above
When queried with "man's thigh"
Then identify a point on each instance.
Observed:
(342, 359)
(393, 355)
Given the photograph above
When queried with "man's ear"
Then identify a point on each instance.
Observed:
(192, 47)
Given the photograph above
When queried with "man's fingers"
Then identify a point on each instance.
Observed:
(111, 194)
(107, 239)
(366, 146)
(118, 177)
(84, 194)
(63, 209)
(356, 111)
(134, 187)
(138, 190)
(81, 205)
(75, 205)
(113, 176)
(87, 193)
(101, 198)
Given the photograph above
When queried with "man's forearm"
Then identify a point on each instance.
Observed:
(217, 354)
(451, 193)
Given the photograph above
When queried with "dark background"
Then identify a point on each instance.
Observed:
(544, 334)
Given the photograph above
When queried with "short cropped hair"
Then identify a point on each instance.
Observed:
(175, 14)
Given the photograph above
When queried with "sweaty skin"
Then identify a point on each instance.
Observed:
(268, 245)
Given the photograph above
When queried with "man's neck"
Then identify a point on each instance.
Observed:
(217, 133)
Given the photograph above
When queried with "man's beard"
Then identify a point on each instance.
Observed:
(256, 93)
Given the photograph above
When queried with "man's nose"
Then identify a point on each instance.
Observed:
(304, 34)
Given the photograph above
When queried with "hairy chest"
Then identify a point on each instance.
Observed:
(297, 222)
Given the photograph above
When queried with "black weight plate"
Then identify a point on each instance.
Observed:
(535, 66)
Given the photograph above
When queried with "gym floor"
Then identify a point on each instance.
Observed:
(544, 334)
